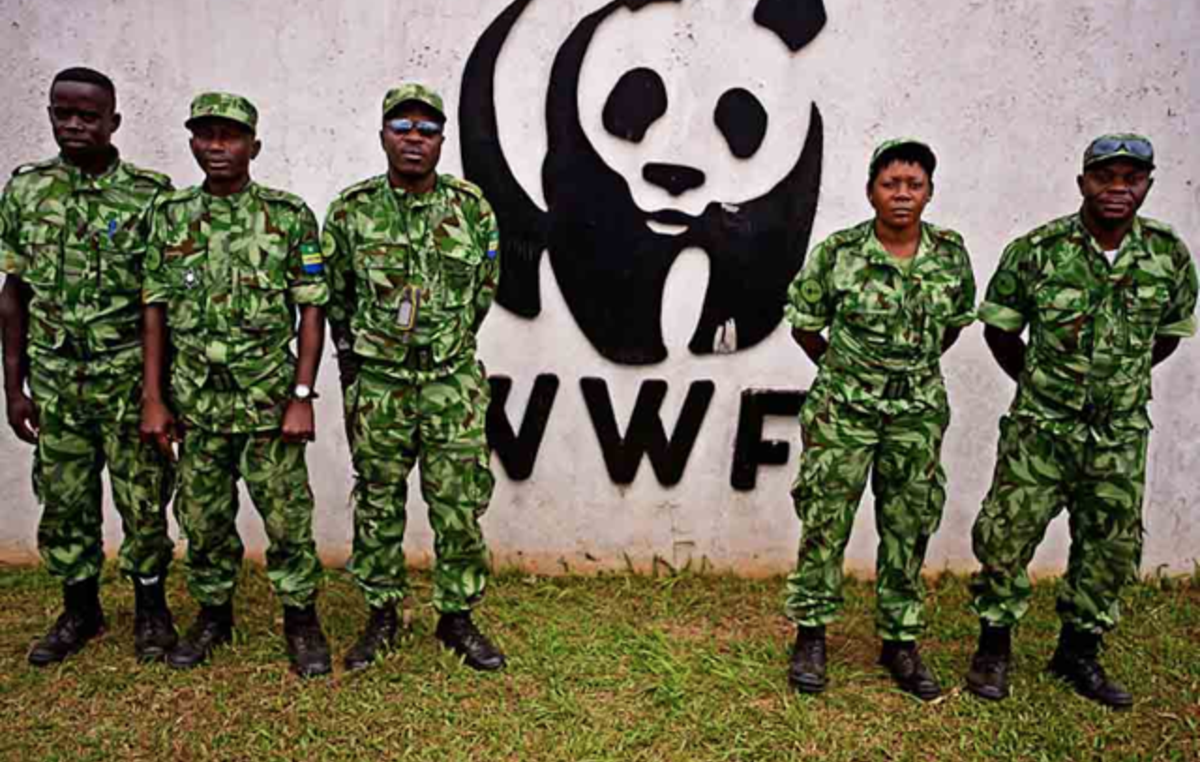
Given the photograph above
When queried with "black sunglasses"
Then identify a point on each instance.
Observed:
(424, 127)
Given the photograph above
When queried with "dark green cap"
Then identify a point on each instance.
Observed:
(412, 91)
(235, 108)
(888, 145)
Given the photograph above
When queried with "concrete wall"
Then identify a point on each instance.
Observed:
(1008, 93)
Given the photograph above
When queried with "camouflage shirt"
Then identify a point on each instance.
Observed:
(1092, 325)
(231, 271)
(78, 241)
(886, 322)
(412, 275)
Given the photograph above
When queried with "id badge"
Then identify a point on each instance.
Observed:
(410, 304)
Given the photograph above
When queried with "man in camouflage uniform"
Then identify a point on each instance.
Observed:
(894, 293)
(229, 264)
(413, 257)
(1106, 295)
(71, 243)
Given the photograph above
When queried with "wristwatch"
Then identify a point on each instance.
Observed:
(303, 392)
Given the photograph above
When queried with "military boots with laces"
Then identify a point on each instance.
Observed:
(903, 661)
(458, 633)
(988, 676)
(82, 619)
(1076, 661)
(213, 627)
(377, 638)
(806, 670)
(307, 647)
(153, 628)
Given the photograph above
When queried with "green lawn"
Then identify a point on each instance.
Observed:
(679, 667)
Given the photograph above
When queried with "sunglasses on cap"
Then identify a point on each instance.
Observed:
(424, 127)
(1106, 147)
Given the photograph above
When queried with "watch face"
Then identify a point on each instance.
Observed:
(302, 392)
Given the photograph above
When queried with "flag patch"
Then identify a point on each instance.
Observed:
(314, 262)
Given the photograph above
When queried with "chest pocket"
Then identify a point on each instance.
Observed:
(41, 244)
(382, 273)
(938, 297)
(120, 257)
(1063, 311)
(185, 272)
(1143, 305)
(262, 299)
(460, 267)
(869, 304)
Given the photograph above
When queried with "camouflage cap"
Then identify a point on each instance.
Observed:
(235, 108)
(1119, 145)
(412, 91)
(888, 145)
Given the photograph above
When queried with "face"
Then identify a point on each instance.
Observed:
(1114, 191)
(900, 194)
(410, 153)
(83, 118)
(224, 149)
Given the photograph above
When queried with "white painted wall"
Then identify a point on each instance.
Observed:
(1008, 93)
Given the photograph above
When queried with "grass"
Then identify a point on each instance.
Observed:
(673, 667)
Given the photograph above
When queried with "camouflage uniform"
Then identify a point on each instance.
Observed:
(412, 276)
(878, 401)
(78, 242)
(1075, 436)
(232, 272)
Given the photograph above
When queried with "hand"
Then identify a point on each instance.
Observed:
(298, 422)
(23, 417)
(159, 426)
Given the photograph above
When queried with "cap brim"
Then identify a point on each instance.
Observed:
(193, 120)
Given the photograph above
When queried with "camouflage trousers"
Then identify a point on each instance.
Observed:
(902, 453)
(1038, 475)
(439, 423)
(276, 476)
(86, 426)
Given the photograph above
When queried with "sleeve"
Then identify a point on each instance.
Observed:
(13, 260)
(1179, 319)
(155, 288)
(810, 299)
(338, 255)
(488, 238)
(1008, 303)
(964, 306)
(306, 262)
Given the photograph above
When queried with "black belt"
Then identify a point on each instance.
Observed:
(220, 379)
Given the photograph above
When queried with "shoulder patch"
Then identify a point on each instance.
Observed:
(157, 178)
(312, 258)
(811, 291)
(35, 166)
(1005, 283)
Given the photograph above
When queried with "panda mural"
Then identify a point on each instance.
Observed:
(611, 256)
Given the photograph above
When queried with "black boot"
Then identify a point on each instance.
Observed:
(806, 671)
(458, 633)
(213, 627)
(82, 619)
(153, 629)
(306, 644)
(903, 661)
(377, 638)
(1075, 660)
(988, 676)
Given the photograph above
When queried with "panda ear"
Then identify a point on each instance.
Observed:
(796, 22)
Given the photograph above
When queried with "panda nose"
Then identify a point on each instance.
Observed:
(673, 178)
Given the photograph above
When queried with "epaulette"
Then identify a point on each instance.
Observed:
(851, 236)
(282, 196)
(36, 166)
(176, 195)
(465, 186)
(1158, 226)
(948, 235)
(1058, 228)
(363, 186)
(157, 178)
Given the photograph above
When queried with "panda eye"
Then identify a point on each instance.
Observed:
(636, 102)
(742, 120)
